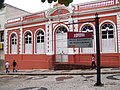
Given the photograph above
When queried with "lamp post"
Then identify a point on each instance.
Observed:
(98, 83)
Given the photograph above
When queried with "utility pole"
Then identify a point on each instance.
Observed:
(98, 83)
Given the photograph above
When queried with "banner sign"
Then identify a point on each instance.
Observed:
(80, 40)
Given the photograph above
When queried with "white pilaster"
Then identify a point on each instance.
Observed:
(76, 26)
(118, 24)
(49, 40)
(5, 41)
(21, 41)
(71, 25)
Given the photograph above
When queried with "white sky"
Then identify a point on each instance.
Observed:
(36, 5)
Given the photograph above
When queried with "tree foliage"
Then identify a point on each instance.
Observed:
(65, 2)
(2, 4)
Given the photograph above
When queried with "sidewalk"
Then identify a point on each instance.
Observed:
(62, 72)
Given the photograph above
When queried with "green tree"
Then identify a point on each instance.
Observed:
(65, 2)
(2, 4)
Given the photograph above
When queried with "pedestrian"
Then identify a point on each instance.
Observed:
(7, 65)
(93, 65)
(14, 66)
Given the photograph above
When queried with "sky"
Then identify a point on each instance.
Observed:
(34, 6)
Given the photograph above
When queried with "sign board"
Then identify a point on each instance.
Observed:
(80, 40)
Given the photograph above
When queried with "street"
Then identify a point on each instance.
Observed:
(59, 82)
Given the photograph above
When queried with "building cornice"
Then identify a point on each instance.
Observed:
(68, 15)
(25, 22)
(98, 10)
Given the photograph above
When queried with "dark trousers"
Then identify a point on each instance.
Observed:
(7, 71)
(93, 65)
(14, 69)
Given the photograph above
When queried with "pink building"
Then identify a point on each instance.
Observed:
(39, 41)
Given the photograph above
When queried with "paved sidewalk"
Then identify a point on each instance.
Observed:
(60, 80)
(62, 72)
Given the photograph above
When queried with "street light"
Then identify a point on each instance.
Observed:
(98, 83)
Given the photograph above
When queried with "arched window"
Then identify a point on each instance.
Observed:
(13, 43)
(28, 43)
(28, 38)
(40, 42)
(61, 29)
(108, 44)
(14, 39)
(40, 36)
(88, 28)
(107, 31)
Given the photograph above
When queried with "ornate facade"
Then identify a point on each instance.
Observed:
(39, 41)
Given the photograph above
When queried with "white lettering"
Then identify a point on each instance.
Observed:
(79, 35)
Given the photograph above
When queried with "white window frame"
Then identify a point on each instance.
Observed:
(28, 44)
(41, 43)
(14, 39)
(106, 47)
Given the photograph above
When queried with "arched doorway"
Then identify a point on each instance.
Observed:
(61, 44)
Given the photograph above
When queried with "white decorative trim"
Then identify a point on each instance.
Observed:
(21, 41)
(60, 25)
(5, 41)
(93, 16)
(46, 44)
(50, 40)
(54, 25)
(70, 26)
(14, 20)
(118, 27)
(12, 28)
(27, 26)
(50, 11)
(75, 25)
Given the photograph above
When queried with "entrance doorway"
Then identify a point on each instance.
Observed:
(61, 44)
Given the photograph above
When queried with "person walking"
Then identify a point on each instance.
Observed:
(93, 65)
(7, 65)
(14, 66)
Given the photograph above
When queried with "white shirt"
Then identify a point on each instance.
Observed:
(7, 64)
(93, 59)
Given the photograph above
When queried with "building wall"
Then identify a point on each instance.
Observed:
(55, 28)
(7, 13)
(31, 61)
